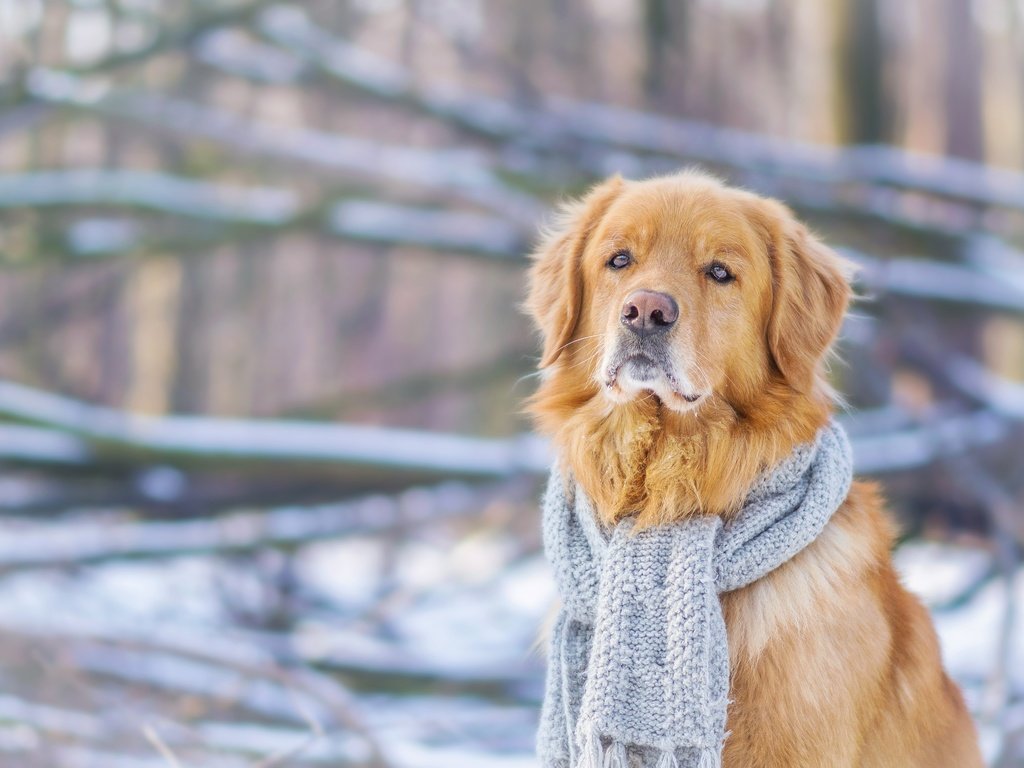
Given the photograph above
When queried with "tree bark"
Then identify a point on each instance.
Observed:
(964, 134)
(866, 108)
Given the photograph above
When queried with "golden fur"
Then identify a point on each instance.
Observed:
(833, 662)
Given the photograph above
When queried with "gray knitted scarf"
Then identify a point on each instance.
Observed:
(639, 664)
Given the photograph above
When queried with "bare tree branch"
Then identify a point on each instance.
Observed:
(565, 122)
(152, 191)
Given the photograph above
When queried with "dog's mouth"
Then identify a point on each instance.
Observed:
(642, 369)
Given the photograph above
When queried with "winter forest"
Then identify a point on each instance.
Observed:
(267, 493)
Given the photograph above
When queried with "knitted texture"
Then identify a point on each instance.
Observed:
(638, 669)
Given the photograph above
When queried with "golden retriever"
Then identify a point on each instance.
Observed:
(685, 328)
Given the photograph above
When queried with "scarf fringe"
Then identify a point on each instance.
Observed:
(592, 756)
(615, 756)
(595, 755)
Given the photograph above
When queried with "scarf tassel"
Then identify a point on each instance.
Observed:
(595, 755)
(615, 756)
(592, 750)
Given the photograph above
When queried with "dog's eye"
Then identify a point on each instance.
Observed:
(719, 273)
(620, 260)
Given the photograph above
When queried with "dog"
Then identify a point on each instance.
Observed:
(686, 328)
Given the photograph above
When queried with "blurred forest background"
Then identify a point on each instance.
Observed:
(267, 495)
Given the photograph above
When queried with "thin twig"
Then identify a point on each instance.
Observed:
(997, 695)
(158, 744)
(316, 732)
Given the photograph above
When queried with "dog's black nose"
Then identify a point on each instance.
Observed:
(648, 312)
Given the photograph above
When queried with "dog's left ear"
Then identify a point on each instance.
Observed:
(810, 294)
(555, 293)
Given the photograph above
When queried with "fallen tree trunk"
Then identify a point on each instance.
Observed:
(70, 431)
(105, 433)
(74, 542)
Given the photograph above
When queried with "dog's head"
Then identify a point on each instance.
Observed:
(687, 290)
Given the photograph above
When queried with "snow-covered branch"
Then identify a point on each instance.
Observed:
(63, 430)
(566, 123)
(440, 230)
(462, 174)
(149, 190)
(111, 433)
(69, 543)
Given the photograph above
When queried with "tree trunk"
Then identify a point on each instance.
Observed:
(964, 137)
(866, 113)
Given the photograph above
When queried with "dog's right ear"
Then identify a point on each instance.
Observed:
(555, 293)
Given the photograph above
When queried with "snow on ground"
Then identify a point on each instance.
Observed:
(434, 633)
(970, 630)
